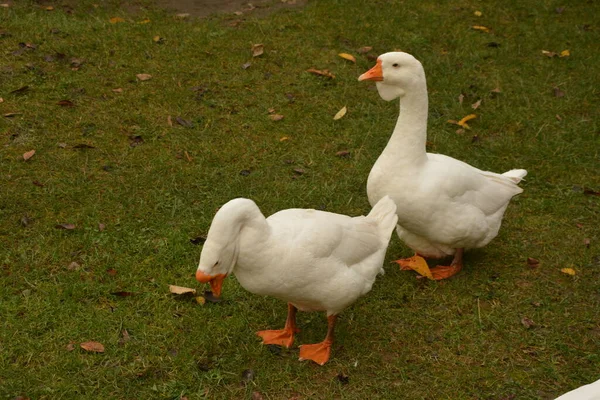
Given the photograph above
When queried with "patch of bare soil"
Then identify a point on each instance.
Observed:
(204, 8)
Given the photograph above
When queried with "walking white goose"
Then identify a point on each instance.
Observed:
(444, 205)
(314, 260)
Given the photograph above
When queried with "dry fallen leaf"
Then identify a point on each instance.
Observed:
(28, 155)
(548, 53)
(532, 262)
(276, 117)
(118, 90)
(66, 103)
(144, 21)
(527, 322)
(180, 289)
(257, 50)
(478, 13)
(461, 97)
(283, 138)
(565, 53)
(481, 28)
(476, 105)
(68, 227)
(496, 90)
(340, 113)
(143, 77)
(364, 50)
(158, 39)
(115, 20)
(324, 72)
(348, 57)
(200, 300)
(1, 100)
(568, 271)
(558, 93)
(94, 347)
(169, 121)
(586, 242)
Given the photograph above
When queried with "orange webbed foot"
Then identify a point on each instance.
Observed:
(318, 352)
(443, 271)
(280, 337)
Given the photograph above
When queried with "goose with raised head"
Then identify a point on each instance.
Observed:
(313, 260)
(445, 206)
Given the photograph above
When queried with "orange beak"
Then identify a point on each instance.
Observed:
(374, 74)
(216, 281)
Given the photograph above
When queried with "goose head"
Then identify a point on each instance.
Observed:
(220, 251)
(395, 74)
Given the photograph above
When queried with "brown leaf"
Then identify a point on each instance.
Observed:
(246, 65)
(348, 57)
(299, 171)
(532, 262)
(324, 73)
(476, 105)
(27, 155)
(461, 97)
(68, 227)
(11, 114)
(122, 294)
(257, 50)
(169, 121)
(116, 20)
(118, 90)
(184, 122)
(590, 192)
(22, 89)
(276, 117)
(135, 140)
(111, 271)
(70, 346)
(527, 322)
(74, 266)
(124, 337)
(101, 227)
(181, 290)
(586, 242)
(364, 50)
(94, 347)
(496, 90)
(144, 77)
(343, 153)
(549, 54)
(557, 92)
(257, 396)
(66, 103)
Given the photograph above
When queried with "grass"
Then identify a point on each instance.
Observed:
(407, 339)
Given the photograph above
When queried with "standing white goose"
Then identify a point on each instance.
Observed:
(444, 205)
(314, 260)
(585, 392)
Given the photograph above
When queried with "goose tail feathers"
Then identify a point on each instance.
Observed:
(515, 174)
(384, 214)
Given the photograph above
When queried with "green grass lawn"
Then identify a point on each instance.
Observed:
(138, 187)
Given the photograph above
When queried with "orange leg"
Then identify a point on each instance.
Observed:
(285, 336)
(319, 352)
(443, 272)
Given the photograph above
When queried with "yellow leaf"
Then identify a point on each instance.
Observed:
(348, 57)
(144, 21)
(284, 138)
(49, 8)
(421, 267)
(565, 53)
(200, 300)
(116, 20)
(180, 289)
(257, 50)
(478, 13)
(28, 155)
(340, 113)
(481, 28)
(568, 271)
(324, 72)
(463, 122)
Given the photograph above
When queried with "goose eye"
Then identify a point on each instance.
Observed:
(395, 65)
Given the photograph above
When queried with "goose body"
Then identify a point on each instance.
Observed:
(585, 392)
(445, 205)
(313, 260)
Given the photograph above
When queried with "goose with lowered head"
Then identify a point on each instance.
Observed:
(445, 206)
(313, 260)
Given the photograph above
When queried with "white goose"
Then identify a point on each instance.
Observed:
(585, 392)
(314, 260)
(444, 205)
